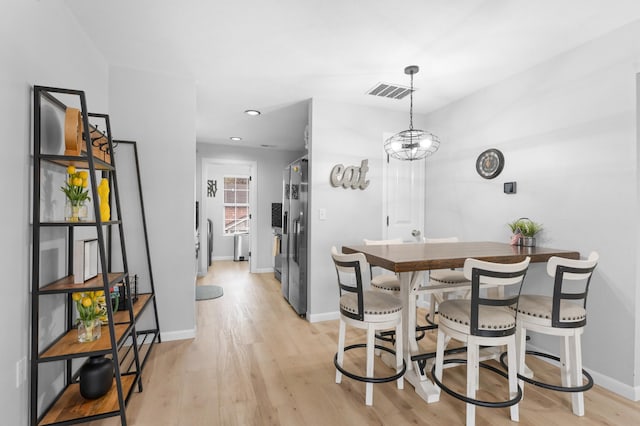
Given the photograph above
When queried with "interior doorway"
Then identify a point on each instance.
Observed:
(403, 199)
(227, 210)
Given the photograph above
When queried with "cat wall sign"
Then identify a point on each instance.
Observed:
(350, 177)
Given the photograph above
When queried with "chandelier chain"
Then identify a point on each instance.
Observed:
(411, 104)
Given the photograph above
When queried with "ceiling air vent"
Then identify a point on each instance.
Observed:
(392, 91)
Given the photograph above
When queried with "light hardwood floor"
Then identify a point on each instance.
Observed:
(255, 362)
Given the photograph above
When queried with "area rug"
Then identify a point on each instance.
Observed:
(205, 292)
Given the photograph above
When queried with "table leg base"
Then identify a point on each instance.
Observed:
(425, 389)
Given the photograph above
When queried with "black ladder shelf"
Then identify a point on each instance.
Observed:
(56, 354)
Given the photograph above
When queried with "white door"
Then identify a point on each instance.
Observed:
(404, 199)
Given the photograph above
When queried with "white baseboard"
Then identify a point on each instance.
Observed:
(168, 336)
(325, 316)
(263, 270)
(221, 258)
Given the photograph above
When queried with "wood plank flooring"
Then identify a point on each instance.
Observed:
(255, 362)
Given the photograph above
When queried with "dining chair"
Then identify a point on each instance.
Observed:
(369, 310)
(559, 315)
(384, 281)
(388, 283)
(482, 321)
(454, 279)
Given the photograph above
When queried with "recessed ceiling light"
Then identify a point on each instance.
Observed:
(253, 112)
(235, 138)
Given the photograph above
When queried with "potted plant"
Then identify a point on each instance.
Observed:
(524, 230)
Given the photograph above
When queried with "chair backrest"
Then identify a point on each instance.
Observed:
(350, 269)
(495, 274)
(441, 240)
(564, 271)
(382, 242)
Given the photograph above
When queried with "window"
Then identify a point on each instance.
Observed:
(236, 205)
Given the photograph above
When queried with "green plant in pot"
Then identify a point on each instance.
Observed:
(524, 231)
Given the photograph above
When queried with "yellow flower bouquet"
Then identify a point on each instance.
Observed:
(92, 310)
(75, 189)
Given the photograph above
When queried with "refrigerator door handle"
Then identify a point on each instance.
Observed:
(285, 223)
(296, 236)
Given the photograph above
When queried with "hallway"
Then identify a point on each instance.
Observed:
(255, 362)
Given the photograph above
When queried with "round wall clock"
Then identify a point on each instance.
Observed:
(490, 163)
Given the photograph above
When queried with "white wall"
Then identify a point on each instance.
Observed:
(343, 134)
(39, 44)
(158, 112)
(270, 164)
(567, 129)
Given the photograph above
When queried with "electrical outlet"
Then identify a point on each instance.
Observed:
(322, 214)
(21, 372)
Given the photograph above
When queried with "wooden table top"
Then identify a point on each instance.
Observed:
(416, 257)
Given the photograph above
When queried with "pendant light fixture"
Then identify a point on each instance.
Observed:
(411, 144)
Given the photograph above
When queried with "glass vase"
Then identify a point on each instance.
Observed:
(89, 331)
(75, 211)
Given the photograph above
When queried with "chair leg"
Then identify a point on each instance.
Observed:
(341, 337)
(521, 349)
(577, 398)
(440, 347)
(513, 378)
(371, 340)
(399, 354)
(472, 375)
(565, 362)
(432, 306)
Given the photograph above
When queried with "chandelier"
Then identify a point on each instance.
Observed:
(411, 144)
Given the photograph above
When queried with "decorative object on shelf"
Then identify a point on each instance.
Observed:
(490, 163)
(103, 193)
(77, 194)
(92, 311)
(411, 144)
(85, 260)
(95, 377)
(350, 177)
(122, 293)
(72, 131)
(524, 230)
(114, 293)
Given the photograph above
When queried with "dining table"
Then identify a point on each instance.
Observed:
(410, 261)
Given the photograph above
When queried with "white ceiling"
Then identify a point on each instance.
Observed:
(274, 55)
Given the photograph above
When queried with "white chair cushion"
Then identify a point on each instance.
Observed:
(540, 307)
(386, 282)
(375, 303)
(489, 317)
(447, 276)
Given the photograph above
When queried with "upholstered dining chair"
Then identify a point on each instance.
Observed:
(369, 310)
(384, 281)
(559, 315)
(454, 279)
(388, 283)
(482, 321)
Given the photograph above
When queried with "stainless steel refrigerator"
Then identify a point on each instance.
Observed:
(294, 235)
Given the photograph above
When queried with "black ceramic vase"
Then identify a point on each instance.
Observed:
(96, 377)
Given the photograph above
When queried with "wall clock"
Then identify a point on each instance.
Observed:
(490, 163)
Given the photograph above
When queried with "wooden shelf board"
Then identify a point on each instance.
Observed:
(123, 316)
(72, 406)
(66, 284)
(77, 162)
(68, 345)
(83, 223)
